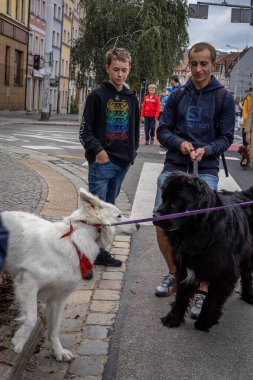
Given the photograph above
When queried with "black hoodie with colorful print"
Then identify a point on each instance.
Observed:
(111, 122)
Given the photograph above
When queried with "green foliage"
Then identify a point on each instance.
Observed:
(154, 31)
(74, 106)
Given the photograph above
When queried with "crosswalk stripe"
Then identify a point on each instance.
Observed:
(146, 190)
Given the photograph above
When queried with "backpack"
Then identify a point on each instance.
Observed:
(219, 100)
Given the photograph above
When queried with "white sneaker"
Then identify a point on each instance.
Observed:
(168, 286)
(197, 305)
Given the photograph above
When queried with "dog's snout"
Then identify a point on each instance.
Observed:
(137, 226)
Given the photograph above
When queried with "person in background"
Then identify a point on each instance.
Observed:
(109, 133)
(238, 114)
(245, 108)
(175, 83)
(189, 132)
(249, 129)
(150, 112)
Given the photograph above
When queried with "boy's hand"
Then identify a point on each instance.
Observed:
(102, 157)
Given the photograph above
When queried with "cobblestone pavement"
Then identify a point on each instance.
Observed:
(49, 186)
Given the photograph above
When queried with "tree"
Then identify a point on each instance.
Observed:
(154, 31)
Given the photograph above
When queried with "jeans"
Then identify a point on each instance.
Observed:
(149, 123)
(210, 179)
(105, 180)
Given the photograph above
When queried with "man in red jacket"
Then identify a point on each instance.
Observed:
(150, 111)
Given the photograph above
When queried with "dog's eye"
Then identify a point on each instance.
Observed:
(119, 216)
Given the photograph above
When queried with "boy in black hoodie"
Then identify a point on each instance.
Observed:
(109, 133)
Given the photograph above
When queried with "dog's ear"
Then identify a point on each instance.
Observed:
(86, 197)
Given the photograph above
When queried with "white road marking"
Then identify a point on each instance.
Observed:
(40, 147)
(146, 190)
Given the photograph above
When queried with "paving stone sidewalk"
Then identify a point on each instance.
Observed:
(91, 310)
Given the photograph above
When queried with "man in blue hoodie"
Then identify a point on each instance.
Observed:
(188, 129)
(109, 133)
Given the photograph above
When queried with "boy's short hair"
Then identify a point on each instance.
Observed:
(175, 78)
(152, 86)
(202, 46)
(117, 54)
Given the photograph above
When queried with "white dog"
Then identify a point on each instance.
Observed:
(43, 260)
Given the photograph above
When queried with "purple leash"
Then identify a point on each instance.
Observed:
(181, 214)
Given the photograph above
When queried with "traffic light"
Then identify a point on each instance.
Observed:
(36, 62)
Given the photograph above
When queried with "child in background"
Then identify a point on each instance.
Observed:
(150, 111)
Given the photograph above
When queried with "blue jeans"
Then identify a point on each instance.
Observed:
(210, 179)
(105, 180)
(149, 124)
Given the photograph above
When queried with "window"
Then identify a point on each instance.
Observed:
(22, 11)
(37, 45)
(42, 47)
(8, 7)
(17, 67)
(58, 39)
(44, 10)
(7, 66)
(18, 9)
(30, 46)
(62, 67)
(56, 70)
(53, 38)
(59, 13)
(38, 7)
(32, 6)
(55, 10)
(64, 36)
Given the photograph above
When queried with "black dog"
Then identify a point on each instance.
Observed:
(214, 247)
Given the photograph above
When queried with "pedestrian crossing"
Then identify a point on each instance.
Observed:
(146, 190)
(62, 140)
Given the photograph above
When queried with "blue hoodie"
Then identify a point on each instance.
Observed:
(194, 121)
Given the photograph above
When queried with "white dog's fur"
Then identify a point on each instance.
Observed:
(45, 267)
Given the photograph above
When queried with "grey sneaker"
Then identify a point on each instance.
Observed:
(197, 305)
(168, 286)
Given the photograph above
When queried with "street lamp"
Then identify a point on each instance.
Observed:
(237, 67)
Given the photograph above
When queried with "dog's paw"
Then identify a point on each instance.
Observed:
(64, 356)
(170, 320)
(18, 344)
(204, 325)
(19, 340)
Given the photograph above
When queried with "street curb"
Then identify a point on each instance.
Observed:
(22, 359)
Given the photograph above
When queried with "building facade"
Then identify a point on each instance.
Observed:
(36, 47)
(65, 100)
(14, 22)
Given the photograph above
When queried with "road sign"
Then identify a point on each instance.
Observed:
(198, 11)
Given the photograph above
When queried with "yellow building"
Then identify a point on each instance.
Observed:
(14, 21)
(65, 56)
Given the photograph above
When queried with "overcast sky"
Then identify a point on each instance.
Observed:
(218, 29)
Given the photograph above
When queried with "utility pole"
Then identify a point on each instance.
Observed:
(45, 114)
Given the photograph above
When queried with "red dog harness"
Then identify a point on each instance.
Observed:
(85, 264)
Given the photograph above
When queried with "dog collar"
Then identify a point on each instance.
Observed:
(85, 264)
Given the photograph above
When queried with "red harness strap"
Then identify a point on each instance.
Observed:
(85, 264)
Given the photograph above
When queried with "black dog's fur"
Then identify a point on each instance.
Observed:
(216, 246)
